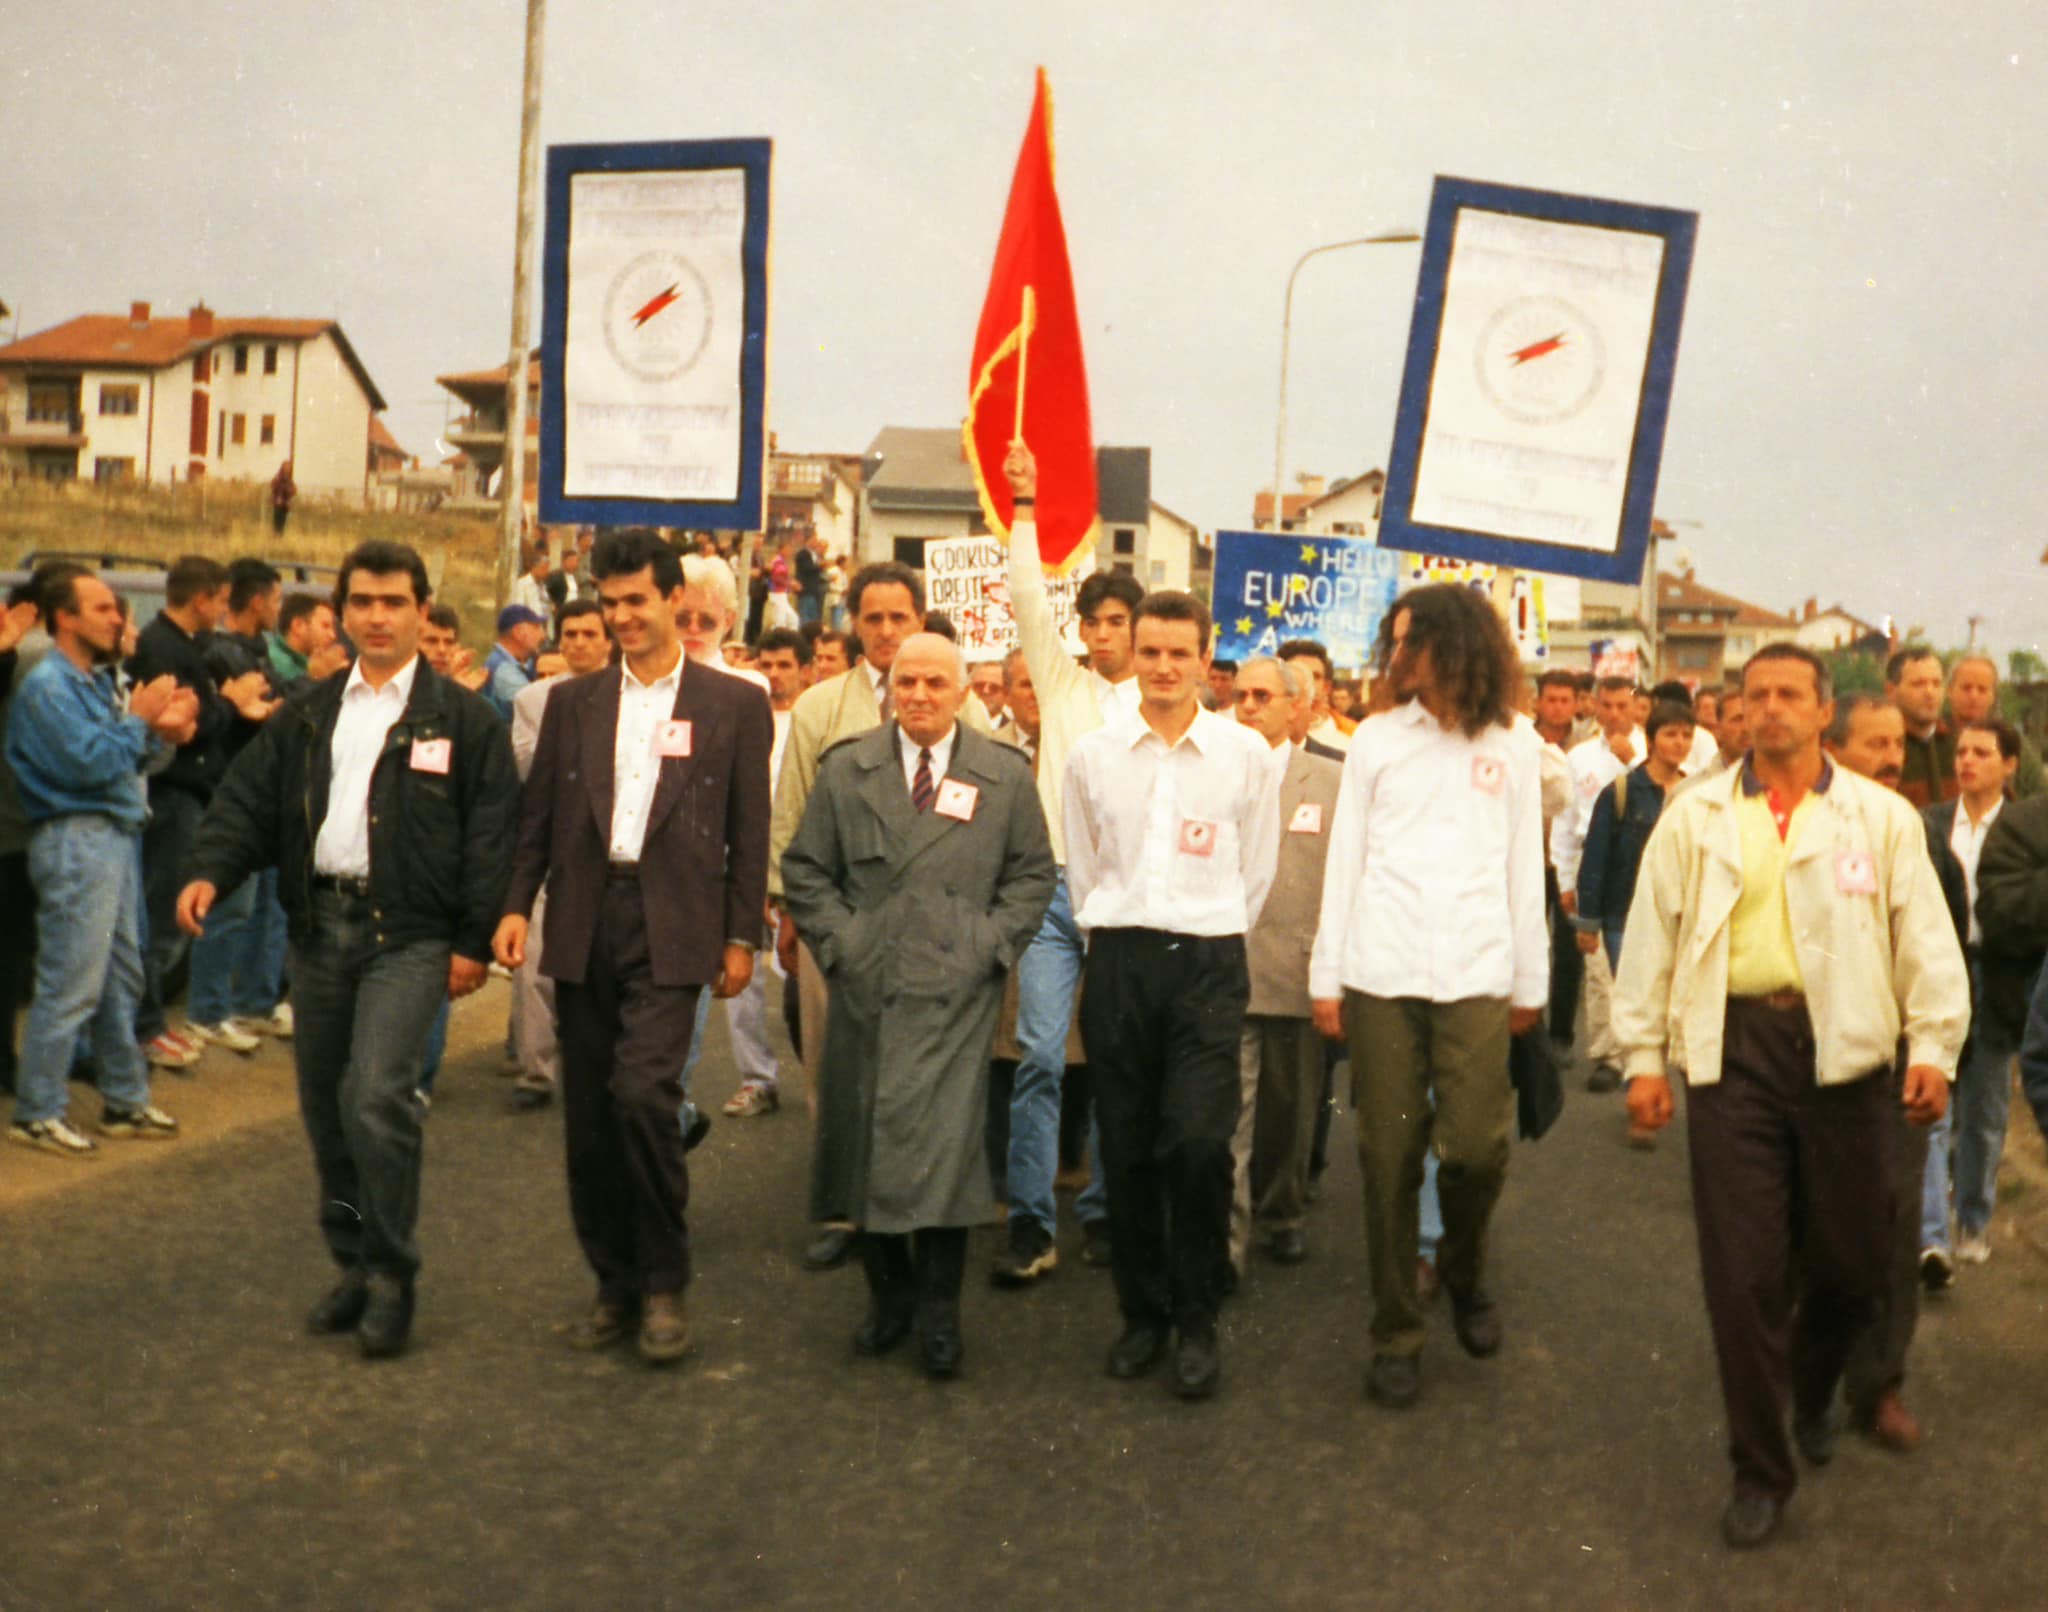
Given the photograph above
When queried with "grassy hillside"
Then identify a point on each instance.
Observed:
(227, 520)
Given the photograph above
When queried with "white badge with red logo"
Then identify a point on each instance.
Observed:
(431, 755)
(956, 800)
(1488, 775)
(672, 738)
(1856, 873)
(1197, 837)
(1307, 819)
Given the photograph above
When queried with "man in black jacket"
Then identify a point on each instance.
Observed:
(388, 802)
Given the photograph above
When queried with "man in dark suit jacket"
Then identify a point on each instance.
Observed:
(646, 811)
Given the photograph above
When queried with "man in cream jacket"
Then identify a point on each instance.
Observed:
(1787, 930)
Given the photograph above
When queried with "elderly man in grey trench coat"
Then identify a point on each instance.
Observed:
(920, 872)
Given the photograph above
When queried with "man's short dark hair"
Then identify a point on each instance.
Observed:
(1308, 649)
(633, 549)
(1607, 685)
(1585, 682)
(249, 580)
(1895, 668)
(1671, 693)
(1219, 664)
(297, 607)
(2004, 732)
(1099, 588)
(1663, 714)
(882, 573)
(1823, 680)
(1169, 604)
(440, 615)
(939, 622)
(780, 638)
(382, 558)
(1846, 709)
(53, 586)
(191, 576)
(849, 646)
(1557, 677)
(579, 607)
(810, 631)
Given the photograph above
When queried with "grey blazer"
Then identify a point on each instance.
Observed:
(1277, 948)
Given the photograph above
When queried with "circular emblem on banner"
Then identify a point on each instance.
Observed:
(657, 316)
(1540, 360)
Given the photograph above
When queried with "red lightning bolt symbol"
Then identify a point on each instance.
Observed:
(654, 305)
(1537, 349)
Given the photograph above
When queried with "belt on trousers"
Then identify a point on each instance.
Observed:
(346, 884)
(1783, 1001)
(616, 869)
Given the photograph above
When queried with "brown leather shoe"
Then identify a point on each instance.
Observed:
(664, 1328)
(603, 1326)
(1892, 1425)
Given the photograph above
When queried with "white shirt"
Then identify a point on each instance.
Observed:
(1183, 838)
(1594, 767)
(533, 593)
(529, 705)
(1327, 732)
(1966, 839)
(782, 721)
(1434, 883)
(636, 765)
(1705, 751)
(908, 750)
(342, 847)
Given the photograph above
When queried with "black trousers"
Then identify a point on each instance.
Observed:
(623, 1040)
(1793, 1185)
(1160, 1019)
(921, 1269)
(1878, 1360)
(1567, 964)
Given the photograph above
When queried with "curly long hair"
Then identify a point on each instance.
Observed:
(1471, 656)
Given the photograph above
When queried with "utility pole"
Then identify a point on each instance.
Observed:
(512, 511)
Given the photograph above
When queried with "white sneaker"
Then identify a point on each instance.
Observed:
(1973, 1248)
(52, 1136)
(148, 1121)
(227, 1034)
(279, 1023)
(170, 1052)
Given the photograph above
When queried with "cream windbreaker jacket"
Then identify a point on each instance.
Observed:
(1877, 948)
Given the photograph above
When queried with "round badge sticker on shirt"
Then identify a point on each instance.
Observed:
(1197, 837)
(672, 738)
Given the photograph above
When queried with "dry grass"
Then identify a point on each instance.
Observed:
(227, 519)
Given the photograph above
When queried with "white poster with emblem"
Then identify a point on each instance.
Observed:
(652, 392)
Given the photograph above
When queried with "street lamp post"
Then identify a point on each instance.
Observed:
(1385, 238)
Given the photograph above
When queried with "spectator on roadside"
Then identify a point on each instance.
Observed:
(22, 643)
(441, 647)
(76, 757)
(810, 579)
(530, 587)
(283, 490)
(303, 645)
(512, 662)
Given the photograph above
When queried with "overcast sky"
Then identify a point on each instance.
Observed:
(1859, 402)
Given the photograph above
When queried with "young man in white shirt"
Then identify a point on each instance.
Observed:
(1072, 702)
(1431, 952)
(1595, 764)
(1172, 829)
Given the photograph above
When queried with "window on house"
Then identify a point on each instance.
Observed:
(120, 400)
(910, 551)
(1694, 657)
(268, 430)
(270, 358)
(105, 470)
(1158, 573)
(221, 441)
(241, 360)
(1125, 541)
(50, 402)
(238, 433)
(1122, 568)
(201, 366)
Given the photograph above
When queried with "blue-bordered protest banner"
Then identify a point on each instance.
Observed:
(1269, 587)
(654, 334)
(1538, 379)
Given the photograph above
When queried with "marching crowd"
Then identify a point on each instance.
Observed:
(1195, 892)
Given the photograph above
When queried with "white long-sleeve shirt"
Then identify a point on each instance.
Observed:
(1072, 700)
(1594, 767)
(1182, 838)
(1434, 883)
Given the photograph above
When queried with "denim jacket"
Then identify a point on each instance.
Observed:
(73, 748)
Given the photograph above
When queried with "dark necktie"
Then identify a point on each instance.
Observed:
(886, 703)
(921, 790)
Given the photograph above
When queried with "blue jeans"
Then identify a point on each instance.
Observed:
(1048, 975)
(87, 871)
(259, 978)
(1970, 1135)
(221, 953)
(1610, 936)
(364, 1012)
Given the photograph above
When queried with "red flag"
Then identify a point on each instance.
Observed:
(1030, 338)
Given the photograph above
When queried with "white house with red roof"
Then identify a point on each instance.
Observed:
(135, 397)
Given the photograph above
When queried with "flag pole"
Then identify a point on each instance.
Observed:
(1023, 352)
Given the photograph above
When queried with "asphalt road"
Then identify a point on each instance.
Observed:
(169, 1437)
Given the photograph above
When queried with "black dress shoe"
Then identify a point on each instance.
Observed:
(532, 1099)
(1394, 1381)
(1815, 1433)
(940, 1348)
(696, 1129)
(1604, 1078)
(1228, 1281)
(1141, 1347)
(1476, 1319)
(343, 1306)
(1287, 1247)
(830, 1249)
(887, 1325)
(1197, 1366)
(387, 1318)
(1751, 1519)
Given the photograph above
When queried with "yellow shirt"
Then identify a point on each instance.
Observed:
(1761, 957)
